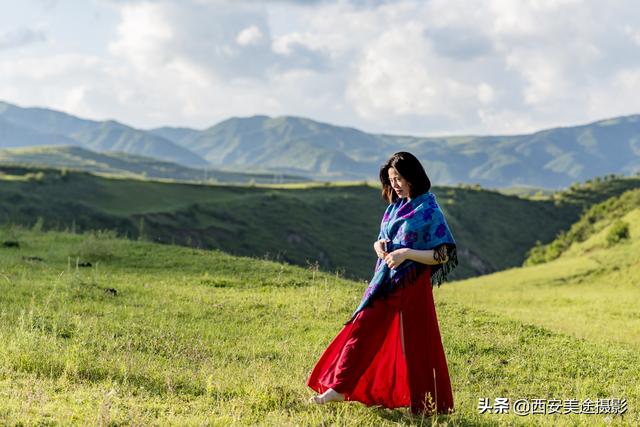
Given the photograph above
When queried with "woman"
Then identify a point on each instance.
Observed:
(390, 352)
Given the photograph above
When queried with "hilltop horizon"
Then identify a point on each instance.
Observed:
(297, 146)
(319, 121)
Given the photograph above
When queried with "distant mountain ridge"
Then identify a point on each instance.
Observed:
(552, 158)
(24, 127)
(290, 144)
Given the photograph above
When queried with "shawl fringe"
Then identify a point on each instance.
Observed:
(441, 271)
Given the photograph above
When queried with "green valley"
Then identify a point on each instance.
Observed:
(331, 226)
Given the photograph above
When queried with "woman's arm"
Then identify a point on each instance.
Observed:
(430, 256)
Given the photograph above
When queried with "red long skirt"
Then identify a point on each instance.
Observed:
(390, 354)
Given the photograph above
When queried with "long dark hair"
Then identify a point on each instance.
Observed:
(410, 169)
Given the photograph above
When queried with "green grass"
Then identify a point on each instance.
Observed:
(594, 281)
(333, 225)
(594, 219)
(120, 164)
(197, 337)
(590, 292)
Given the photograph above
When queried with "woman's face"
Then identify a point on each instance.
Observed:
(398, 183)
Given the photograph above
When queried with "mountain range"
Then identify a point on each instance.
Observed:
(26, 127)
(551, 158)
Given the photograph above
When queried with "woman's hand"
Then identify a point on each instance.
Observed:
(378, 246)
(395, 258)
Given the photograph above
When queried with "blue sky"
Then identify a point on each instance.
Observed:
(428, 67)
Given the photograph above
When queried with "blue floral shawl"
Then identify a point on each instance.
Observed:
(418, 224)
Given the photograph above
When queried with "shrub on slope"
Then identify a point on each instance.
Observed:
(593, 220)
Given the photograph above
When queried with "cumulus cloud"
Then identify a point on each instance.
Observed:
(250, 36)
(532, 64)
(226, 42)
(405, 66)
(68, 82)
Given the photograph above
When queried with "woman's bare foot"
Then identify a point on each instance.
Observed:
(328, 396)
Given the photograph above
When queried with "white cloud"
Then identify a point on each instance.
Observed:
(250, 36)
(407, 66)
(399, 74)
(68, 82)
(633, 32)
(143, 31)
(618, 95)
(486, 94)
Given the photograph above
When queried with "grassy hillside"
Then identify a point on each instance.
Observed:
(129, 165)
(331, 225)
(596, 218)
(591, 290)
(156, 334)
